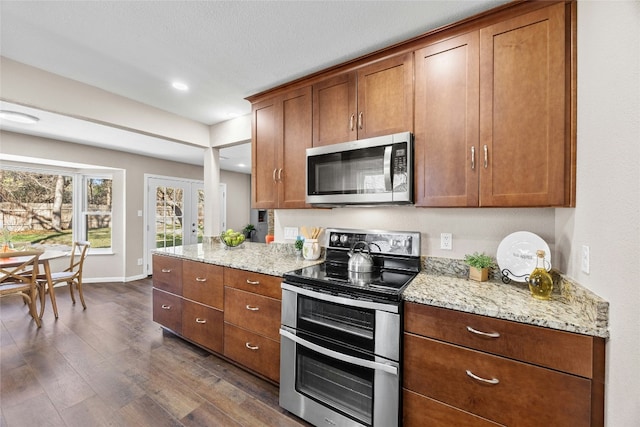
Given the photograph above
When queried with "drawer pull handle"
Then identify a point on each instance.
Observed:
(492, 381)
(251, 347)
(253, 282)
(201, 279)
(483, 334)
(165, 307)
(248, 307)
(201, 321)
(166, 270)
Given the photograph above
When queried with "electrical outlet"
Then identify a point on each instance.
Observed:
(585, 259)
(446, 241)
(290, 233)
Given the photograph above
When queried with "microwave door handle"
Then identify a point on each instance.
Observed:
(387, 168)
(339, 356)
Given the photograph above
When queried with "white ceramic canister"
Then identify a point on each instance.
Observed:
(311, 249)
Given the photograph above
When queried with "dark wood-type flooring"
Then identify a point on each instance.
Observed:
(112, 365)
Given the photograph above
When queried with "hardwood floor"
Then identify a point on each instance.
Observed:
(112, 365)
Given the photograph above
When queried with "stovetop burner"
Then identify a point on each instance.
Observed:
(396, 258)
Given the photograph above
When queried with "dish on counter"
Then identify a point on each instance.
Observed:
(517, 254)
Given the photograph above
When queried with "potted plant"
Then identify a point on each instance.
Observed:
(248, 230)
(479, 265)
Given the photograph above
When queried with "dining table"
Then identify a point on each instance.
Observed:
(43, 286)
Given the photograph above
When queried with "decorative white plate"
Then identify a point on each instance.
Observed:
(517, 254)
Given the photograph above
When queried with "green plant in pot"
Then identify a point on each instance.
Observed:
(248, 230)
(479, 265)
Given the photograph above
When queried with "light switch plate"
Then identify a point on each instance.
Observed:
(290, 233)
(585, 259)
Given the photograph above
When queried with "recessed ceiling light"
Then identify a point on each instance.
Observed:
(18, 117)
(180, 86)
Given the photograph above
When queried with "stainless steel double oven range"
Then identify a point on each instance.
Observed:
(341, 333)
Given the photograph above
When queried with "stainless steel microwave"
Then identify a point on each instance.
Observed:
(364, 172)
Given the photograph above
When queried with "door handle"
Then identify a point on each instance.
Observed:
(339, 356)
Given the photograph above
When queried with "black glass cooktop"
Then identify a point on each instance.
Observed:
(381, 284)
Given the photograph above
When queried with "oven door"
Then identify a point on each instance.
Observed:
(328, 385)
(365, 325)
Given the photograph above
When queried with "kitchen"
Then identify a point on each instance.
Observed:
(606, 112)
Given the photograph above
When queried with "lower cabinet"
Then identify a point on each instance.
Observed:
(231, 312)
(466, 375)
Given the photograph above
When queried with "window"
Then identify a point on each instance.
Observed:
(48, 207)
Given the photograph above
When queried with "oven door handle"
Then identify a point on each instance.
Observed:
(339, 356)
(369, 305)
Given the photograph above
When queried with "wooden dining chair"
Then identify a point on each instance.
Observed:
(71, 276)
(18, 276)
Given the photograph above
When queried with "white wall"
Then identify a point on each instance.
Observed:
(607, 213)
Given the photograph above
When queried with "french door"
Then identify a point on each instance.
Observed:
(175, 214)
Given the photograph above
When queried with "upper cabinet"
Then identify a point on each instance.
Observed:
(491, 115)
(490, 100)
(281, 132)
(373, 100)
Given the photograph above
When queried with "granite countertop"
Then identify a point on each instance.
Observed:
(572, 307)
(274, 259)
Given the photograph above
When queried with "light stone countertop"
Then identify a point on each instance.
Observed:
(572, 307)
(274, 259)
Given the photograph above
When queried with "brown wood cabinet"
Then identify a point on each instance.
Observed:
(374, 100)
(491, 116)
(465, 369)
(188, 300)
(234, 313)
(252, 321)
(281, 132)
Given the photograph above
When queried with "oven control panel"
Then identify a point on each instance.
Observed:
(385, 242)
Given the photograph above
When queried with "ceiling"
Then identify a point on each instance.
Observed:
(223, 50)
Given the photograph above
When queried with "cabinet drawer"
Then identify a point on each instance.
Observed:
(541, 346)
(203, 283)
(167, 274)
(203, 325)
(262, 284)
(254, 351)
(167, 310)
(524, 395)
(419, 411)
(253, 312)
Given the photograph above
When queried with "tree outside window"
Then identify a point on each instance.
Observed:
(49, 208)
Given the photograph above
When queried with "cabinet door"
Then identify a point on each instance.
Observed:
(385, 97)
(203, 283)
(502, 390)
(334, 110)
(419, 411)
(296, 138)
(264, 151)
(167, 310)
(522, 110)
(167, 274)
(447, 123)
(203, 325)
(254, 351)
(253, 312)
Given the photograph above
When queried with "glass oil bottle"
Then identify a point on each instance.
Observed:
(540, 281)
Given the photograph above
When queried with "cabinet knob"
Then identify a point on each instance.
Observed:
(166, 270)
(201, 321)
(201, 279)
(351, 119)
(360, 120)
(251, 308)
(253, 282)
(165, 307)
(251, 347)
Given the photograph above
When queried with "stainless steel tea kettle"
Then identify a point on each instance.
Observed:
(359, 261)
